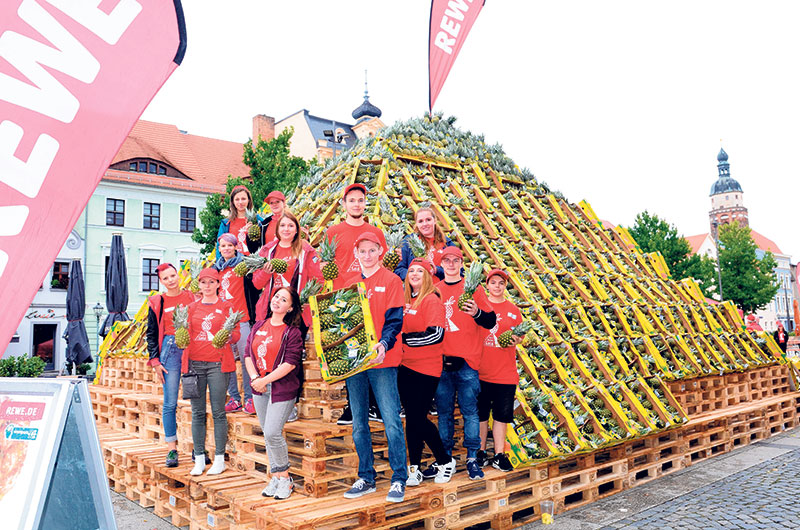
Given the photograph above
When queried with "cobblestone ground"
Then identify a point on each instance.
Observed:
(753, 487)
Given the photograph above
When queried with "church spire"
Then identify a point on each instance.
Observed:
(366, 108)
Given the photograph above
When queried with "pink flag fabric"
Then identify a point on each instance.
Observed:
(75, 75)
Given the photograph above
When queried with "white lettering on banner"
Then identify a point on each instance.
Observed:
(3, 261)
(108, 27)
(12, 218)
(455, 10)
(25, 177)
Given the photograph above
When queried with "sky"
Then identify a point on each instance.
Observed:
(624, 104)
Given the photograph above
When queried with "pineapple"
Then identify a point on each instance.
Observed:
(279, 266)
(249, 264)
(180, 319)
(393, 240)
(471, 282)
(326, 320)
(240, 269)
(254, 232)
(194, 269)
(221, 337)
(505, 339)
(356, 318)
(327, 253)
(417, 246)
(339, 367)
(311, 288)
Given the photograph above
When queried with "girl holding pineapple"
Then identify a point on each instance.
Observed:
(211, 326)
(420, 369)
(250, 229)
(498, 371)
(273, 358)
(232, 289)
(165, 355)
(431, 235)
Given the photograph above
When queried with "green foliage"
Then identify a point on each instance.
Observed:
(747, 281)
(271, 168)
(655, 234)
(21, 366)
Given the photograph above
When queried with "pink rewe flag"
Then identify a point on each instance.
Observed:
(75, 75)
(450, 23)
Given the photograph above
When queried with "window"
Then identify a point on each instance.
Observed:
(115, 212)
(188, 219)
(133, 166)
(152, 216)
(143, 167)
(153, 168)
(162, 170)
(105, 270)
(149, 274)
(60, 278)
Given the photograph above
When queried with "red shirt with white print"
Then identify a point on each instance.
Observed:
(282, 280)
(236, 228)
(499, 365)
(384, 290)
(346, 235)
(204, 321)
(424, 359)
(435, 252)
(168, 309)
(463, 337)
(231, 289)
(265, 346)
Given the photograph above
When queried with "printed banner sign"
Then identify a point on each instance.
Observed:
(450, 23)
(75, 75)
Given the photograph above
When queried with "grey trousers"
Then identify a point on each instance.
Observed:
(272, 417)
(209, 375)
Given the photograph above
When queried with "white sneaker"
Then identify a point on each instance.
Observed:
(445, 472)
(269, 491)
(414, 476)
(219, 465)
(199, 465)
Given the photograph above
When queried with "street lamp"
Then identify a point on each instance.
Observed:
(334, 138)
(715, 226)
(98, 312)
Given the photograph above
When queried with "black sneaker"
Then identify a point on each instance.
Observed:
(430, 472)
(172, 458)
(500, 461)
(482, 458)
(375, 414)
(433, 411)
(402, 412)
(208, 458)
(346, 418)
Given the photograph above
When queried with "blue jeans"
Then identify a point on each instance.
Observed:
(464, 382)
(384, 385)
(238, 352)
(170, 359)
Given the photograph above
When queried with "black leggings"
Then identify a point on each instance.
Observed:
(416, 395)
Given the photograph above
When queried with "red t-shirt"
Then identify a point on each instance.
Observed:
(170, 303)
(346, 235)
(424, 359)
(265, 346)
(462, 337)
(435, 252)
(270, 231)
(384, 291)
(281, 280)
(499, 365)
(237, 228)
(231, 289)
(204, 321)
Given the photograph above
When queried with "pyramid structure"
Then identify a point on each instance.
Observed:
(610, 325)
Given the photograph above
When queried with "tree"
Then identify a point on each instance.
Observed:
(653, 234)
(271, 168)
(747, 281)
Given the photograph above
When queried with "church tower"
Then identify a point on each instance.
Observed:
(727, 198)
(367, 116)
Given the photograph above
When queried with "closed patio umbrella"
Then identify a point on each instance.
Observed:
(77, 340)
(116, 286)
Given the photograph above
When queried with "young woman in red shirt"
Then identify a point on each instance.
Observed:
(273, 357)
(165, 356)
(232, 289)
(420, 369)
(212, 366)
(434, 238)
(498, 373)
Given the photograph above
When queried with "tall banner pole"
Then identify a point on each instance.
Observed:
(450, 23)
(74, 78)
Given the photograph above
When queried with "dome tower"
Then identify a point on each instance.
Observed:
(727, 198)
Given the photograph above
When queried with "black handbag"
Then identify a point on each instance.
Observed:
(189, 383)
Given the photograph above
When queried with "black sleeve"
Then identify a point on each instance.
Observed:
(432, 335)
(153, 347)
(251, 296)
(485, 320)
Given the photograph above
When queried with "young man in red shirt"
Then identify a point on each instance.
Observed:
(386, 300)
(463, 348)
(498, 372)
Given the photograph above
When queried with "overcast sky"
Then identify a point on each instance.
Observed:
(624, 104)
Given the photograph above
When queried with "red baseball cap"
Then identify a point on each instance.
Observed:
(497, 272)
(452, 250)
(425, 264)
(368, 236)
(354, 186)
(208, 273)
(275, 195)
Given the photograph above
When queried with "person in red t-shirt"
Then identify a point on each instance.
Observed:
(385, 293)
(277, 203)
(463, 349)
(232, 289)
(781, 337)
(498, 371)
(420, 369)
(345, 233)
(434, 238)
(212, 366)
(273, 358)
(165, 356)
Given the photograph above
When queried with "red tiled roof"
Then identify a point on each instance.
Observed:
(206, 161)
(696, 241)
(761, 241)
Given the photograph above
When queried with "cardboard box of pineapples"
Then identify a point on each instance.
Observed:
(344, 333)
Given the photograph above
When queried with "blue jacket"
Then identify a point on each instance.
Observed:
(252, 246)
(408, 256)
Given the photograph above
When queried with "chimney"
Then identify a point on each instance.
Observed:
(263, 126)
